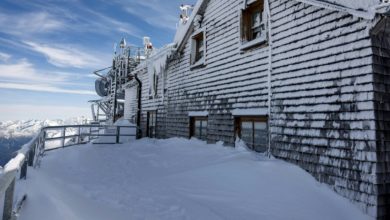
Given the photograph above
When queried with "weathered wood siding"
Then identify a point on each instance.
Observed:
(230, 80)
(322, 105)
(151, 103)
(381, 58)
(324, 97)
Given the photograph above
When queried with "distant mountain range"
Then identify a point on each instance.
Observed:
(14, 134)
(15, 129)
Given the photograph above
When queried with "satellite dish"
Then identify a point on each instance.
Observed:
(101, 87)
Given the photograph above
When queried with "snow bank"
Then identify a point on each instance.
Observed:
(124, 132)
(175, 179)
(123, 122)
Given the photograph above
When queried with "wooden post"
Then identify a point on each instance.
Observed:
(118, 130)
(8, 201)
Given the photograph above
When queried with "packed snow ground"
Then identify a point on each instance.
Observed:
(175, 179)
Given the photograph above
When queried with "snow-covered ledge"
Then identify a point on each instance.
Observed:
(152, 108)
(199, 63)
(250, 112)
(198, 114)
(256, 42)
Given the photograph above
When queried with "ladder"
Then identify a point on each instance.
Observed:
(112, 101)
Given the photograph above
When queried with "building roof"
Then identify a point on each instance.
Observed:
(366, 9)
(183, 29)
(361, 8)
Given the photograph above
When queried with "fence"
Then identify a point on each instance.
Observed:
(52, 138)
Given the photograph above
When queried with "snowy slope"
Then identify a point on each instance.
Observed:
(175, 179)
(12, 129)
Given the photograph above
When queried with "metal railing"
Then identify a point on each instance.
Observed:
(52, 138)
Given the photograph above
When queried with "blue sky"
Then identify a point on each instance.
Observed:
(49, 48)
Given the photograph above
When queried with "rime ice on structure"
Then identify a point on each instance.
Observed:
(319, 76)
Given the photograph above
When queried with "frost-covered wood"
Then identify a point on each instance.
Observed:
(322, 104)
(381, 59)
(325, 104)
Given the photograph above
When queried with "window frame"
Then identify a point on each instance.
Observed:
(149, 115)
(195, 49)
(246, 25)
(238, 120)
(193, 120)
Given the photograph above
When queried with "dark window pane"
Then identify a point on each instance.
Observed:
(152, 118)
(261, 136)
(256, 19)
(199, 128)
(247, 133)
(204, 130)
(197, 124)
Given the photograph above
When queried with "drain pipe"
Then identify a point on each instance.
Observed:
(139, 94)
(268, 8)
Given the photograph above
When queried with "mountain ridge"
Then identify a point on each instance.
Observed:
(28, 128)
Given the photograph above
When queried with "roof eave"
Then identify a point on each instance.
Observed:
(184, 31)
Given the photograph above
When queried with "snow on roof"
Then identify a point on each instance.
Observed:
(360, 8)
(183, 29)
(250, 112)
(158, 59)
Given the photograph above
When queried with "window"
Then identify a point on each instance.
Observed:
(198, 52)
(254, 132)
(253, 24)
(198, 127)
(151, 124)
(153, 85)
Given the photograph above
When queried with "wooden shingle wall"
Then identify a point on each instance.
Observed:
(381, 66)
(230, 80)
(323, 101)
(152, 103)
(322, 104)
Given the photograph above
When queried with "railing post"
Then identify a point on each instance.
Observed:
(79, 136)
(31, 155)
(118, 130)
(23, 170)
(63, 136)
(43, 143)
(89, 134)
(8, 201)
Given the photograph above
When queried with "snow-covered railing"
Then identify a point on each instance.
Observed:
(51, 138)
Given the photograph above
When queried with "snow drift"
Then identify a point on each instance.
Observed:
(175, 179)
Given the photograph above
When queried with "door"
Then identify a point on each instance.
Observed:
(151, 124)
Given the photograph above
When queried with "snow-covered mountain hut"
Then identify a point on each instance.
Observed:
(306, 80)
